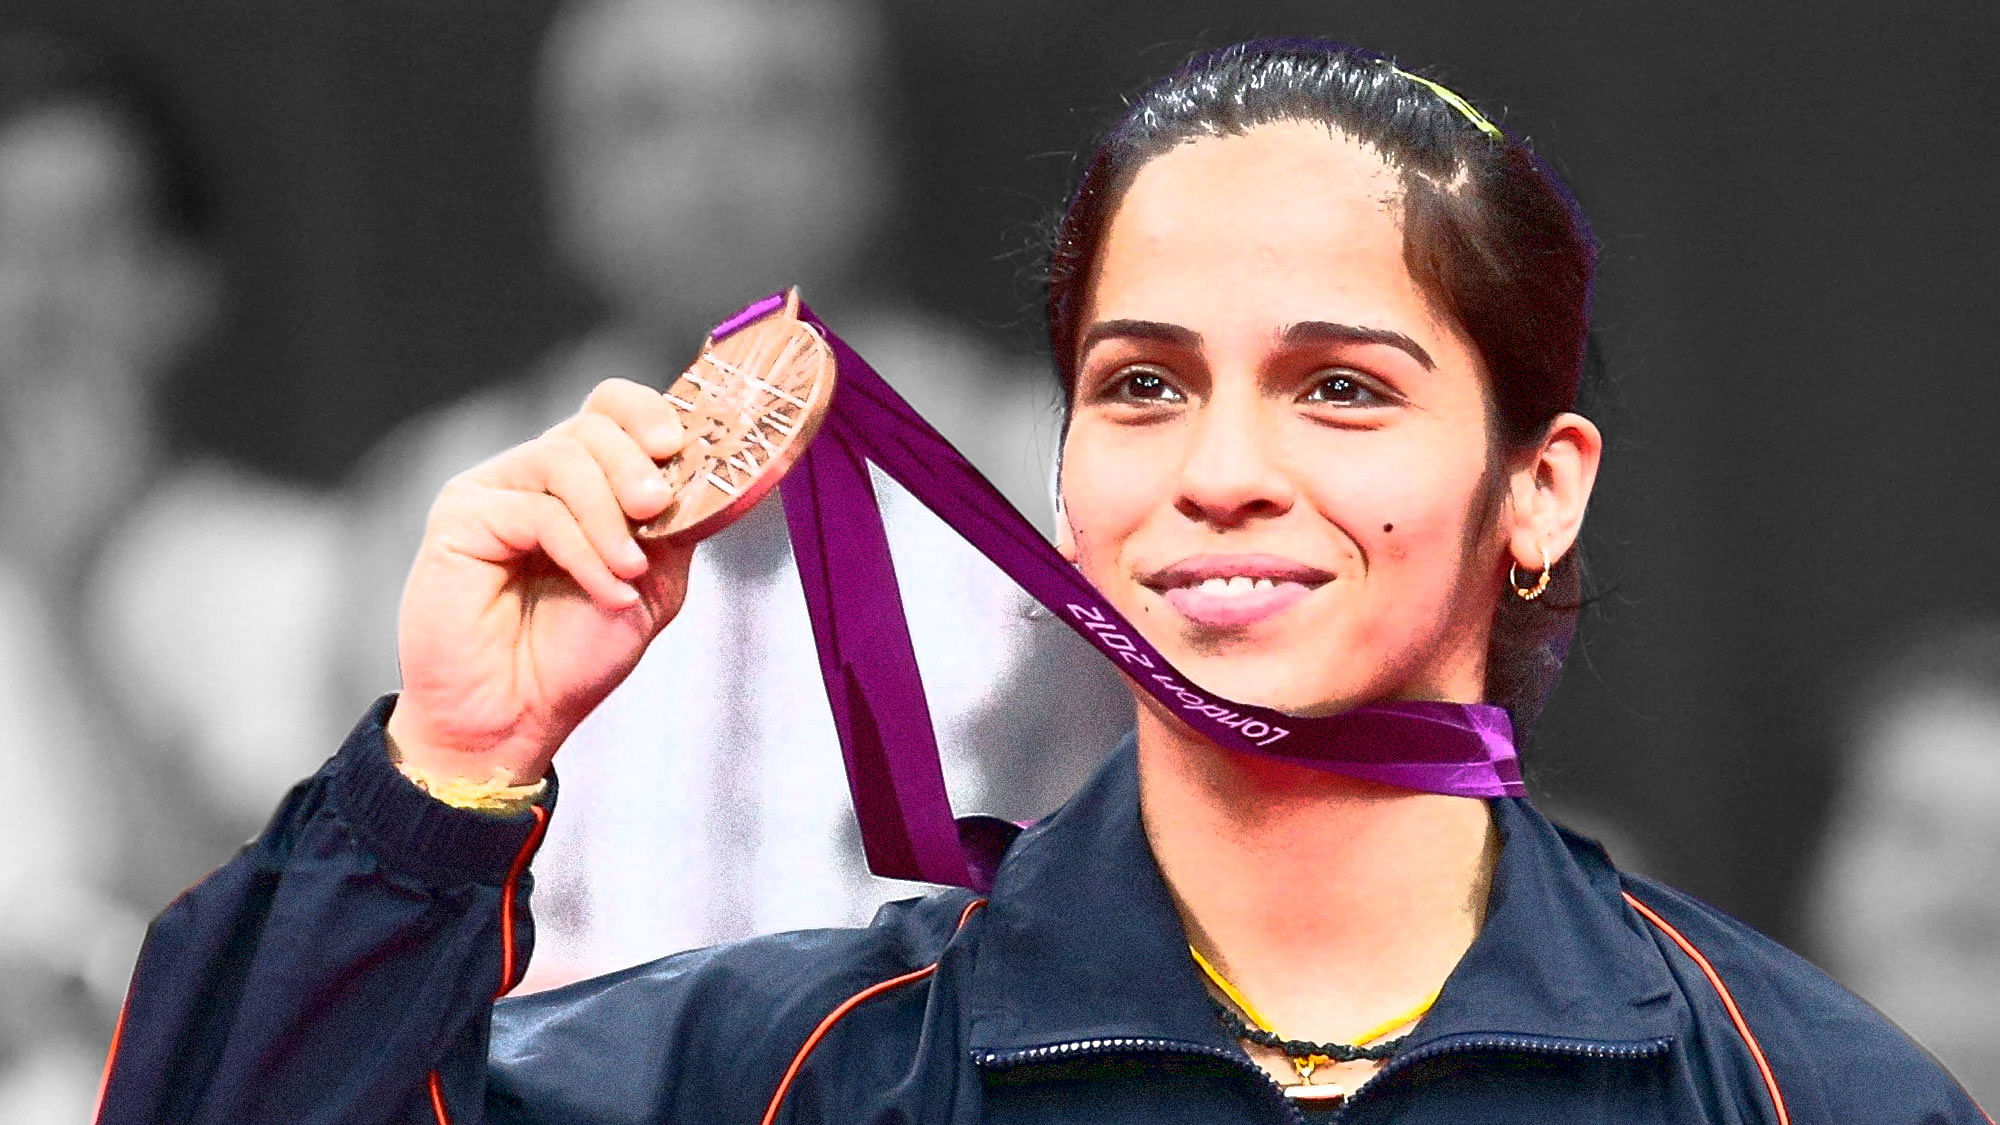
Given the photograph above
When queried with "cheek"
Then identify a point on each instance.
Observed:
(1107, 490)
(1407, 507)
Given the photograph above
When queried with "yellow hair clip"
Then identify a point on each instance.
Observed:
(1455, 102)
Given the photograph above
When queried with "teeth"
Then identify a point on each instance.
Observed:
(1235, 584)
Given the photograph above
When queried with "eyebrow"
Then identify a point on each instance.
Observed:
(1155, 330)
(1327, 332)
(1304, 332)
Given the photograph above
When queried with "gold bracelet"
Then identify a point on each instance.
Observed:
(494, 795)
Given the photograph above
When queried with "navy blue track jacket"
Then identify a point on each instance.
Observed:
(343, 968)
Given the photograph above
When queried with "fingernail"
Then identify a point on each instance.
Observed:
(625, 594)
(631, 554)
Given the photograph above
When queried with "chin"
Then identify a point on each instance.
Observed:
(1291, 683)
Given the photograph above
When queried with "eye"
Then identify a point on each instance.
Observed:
(1341, 387)
(1142, 384)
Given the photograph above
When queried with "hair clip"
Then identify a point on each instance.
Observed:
(1455, 102)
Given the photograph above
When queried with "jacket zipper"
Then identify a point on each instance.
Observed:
(1091, 1048)
(1467, 1044)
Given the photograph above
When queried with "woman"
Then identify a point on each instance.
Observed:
(1322, 326)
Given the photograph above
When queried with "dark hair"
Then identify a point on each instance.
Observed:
(1490, 235)
(43, 69)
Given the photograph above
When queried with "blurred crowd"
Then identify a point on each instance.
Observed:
(162, 620)
(177, 635)
(181, 637)
(1904, 907)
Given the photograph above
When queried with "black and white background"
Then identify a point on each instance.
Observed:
(1794, 535)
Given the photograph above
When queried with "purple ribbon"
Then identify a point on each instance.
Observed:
(870, 668)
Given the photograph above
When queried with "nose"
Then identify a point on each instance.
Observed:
(1234, 471)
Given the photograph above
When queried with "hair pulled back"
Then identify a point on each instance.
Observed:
(1490, 236)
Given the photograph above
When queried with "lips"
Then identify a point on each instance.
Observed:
(1233, 591)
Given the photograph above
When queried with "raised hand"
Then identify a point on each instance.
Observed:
(530, 599)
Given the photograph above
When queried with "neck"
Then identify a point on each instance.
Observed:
(1331, 903)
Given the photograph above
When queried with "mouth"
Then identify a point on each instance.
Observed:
(1234, 591)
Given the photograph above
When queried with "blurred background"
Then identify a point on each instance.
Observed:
(271, 271)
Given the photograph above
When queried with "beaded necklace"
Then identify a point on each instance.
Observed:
(1306, 1056)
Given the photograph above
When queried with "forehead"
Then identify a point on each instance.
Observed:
(1287, 222)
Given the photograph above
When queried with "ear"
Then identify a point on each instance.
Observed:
(1549, 490)
(1065, 534)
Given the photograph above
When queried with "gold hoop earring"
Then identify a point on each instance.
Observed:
(1529, 593)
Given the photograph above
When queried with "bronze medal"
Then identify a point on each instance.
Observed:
(750, 402)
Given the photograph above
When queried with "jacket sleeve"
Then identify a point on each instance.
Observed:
(342, 968)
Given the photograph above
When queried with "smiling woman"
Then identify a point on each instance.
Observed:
(1321, 325)
(1258, 349)
(1468, 243)
(1282, 462)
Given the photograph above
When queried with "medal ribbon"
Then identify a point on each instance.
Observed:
(870, 668)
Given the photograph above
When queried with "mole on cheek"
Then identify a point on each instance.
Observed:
(1387, 527)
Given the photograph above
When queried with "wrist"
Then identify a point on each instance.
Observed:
(493, 795)
(413, 832)
(445, 770)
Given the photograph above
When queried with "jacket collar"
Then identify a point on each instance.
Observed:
(1082, 942)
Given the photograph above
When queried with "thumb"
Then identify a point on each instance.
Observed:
(663, 587)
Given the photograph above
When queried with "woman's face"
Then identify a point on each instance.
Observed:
(1278, 459)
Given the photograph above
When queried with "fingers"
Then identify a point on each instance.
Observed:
(504, 524)
(571, 473)
(636, 481)
(641, 412)
(576, 492)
